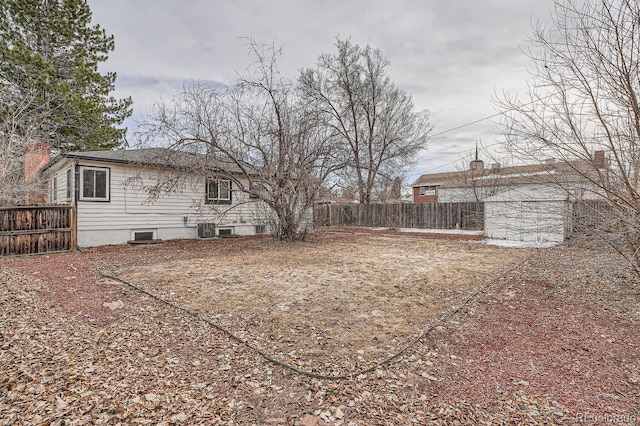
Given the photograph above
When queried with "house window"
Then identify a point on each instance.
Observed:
(218, 191)
(427, 191)
(53, 194)
(69, 183)
(94, 182)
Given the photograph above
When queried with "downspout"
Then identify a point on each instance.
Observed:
(76, 194)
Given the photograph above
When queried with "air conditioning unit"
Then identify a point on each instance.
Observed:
(206, 230)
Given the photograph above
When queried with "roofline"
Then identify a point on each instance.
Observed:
(436, 183)
(80, 156)
(560, 168)
(60, 157)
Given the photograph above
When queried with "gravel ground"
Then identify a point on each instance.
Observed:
(552, 341)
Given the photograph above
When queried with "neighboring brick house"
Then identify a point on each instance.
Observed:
(480, 182)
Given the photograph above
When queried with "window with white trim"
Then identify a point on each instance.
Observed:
(94, 183)
(428, 191)
(218, 191)
(69, 184)
(53, 190)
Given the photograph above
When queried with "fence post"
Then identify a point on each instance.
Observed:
(74, 226)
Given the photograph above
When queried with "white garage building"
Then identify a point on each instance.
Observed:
(529, 214)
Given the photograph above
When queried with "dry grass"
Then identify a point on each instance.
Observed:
(345, 302)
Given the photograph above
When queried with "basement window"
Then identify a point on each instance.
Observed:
(225, 231)
(146, 235)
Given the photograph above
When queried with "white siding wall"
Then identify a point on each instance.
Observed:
(527, 213)
(529, 221)
(456, 195)
(171, 216)
(60, 176)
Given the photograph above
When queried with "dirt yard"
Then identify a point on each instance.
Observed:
(507, 336)
(348, 303)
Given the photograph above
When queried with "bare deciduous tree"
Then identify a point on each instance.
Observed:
(375, 120)
(17, 123)
(258, 133)
(583, 98)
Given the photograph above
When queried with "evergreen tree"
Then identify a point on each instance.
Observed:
(49, 48)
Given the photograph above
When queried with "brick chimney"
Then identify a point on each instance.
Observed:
(599, 160)
(476, 165)
(36, 156)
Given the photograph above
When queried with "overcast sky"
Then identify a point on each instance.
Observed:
(450, 55)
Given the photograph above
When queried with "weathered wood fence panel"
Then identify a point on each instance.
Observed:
(468, 216)
(592, 218)
(36, 229)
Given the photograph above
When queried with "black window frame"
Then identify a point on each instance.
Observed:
(148, 235)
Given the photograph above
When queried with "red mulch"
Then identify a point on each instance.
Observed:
(538, 343)
(74, 282)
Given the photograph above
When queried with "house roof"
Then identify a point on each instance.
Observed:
(564, 172)
(153, 157)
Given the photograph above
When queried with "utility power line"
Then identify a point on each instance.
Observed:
(466, 125)
(490, 116)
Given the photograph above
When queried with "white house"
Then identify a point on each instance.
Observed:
(142, 195)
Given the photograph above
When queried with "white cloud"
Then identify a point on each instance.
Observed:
(451, 55)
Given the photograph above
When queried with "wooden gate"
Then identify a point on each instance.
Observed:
(36, 229)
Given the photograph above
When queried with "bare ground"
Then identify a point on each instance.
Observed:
(552, 339)
(348, 304)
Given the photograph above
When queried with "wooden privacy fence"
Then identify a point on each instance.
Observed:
(468, 216)
(594, 218)
(36, 229)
